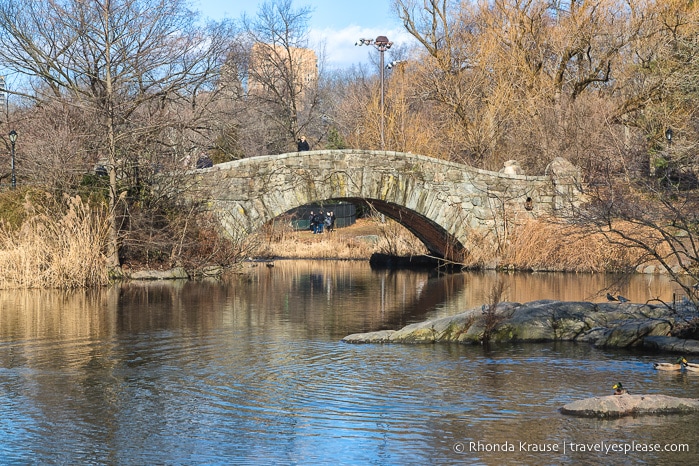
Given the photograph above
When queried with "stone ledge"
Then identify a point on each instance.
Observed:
(671, 344)
(177, 273)
(600, 324)
(614, 406)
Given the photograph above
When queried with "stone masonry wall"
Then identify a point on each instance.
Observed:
(445, 200)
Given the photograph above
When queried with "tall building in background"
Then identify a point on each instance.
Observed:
(280, 70)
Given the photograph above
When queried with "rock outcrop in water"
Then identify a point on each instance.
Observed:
(601, 324)
(630, 405)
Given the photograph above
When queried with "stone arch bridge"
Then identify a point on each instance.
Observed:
(442, 203)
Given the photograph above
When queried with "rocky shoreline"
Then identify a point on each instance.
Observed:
(619, 325)
(175, 273)
(614, 406)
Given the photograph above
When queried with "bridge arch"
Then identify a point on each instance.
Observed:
(440, 202)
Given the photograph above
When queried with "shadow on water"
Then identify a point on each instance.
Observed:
(250, 370)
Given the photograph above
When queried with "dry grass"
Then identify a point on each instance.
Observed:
(541, 245)
(533, 245)
(395, 240)
(282, 241)
(58, 245)
(357, 242)
(61, 245)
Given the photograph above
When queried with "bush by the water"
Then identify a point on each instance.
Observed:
(52, 243)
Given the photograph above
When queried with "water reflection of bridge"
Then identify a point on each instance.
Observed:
(336, 297)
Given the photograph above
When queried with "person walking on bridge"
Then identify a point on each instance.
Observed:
(302, 144)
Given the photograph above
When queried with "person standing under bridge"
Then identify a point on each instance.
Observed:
(318, 222)
(329, 222)
(312, 222)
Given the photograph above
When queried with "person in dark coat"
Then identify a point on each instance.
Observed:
(331, 221)
(318, 220)
(204, 162)
(302, 144)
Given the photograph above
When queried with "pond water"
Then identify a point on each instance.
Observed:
(251, 370)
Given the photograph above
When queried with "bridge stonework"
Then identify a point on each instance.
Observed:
(440, 202)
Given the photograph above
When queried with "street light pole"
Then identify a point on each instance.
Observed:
(402, 112)
(13, 139)
(382, 44)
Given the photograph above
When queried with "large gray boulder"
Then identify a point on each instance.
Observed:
(630, 405)
(671, 344)
(177, 273)
(601, 324)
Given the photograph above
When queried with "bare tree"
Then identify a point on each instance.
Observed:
(590, 81)
(126, 64)
(282, 75)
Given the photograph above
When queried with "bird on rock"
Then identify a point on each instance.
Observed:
(619, 389)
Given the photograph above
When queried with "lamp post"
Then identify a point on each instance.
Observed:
(401, 112)
(13, 139)
(382, 44)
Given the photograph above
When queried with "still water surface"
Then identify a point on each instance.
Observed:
(250, 370)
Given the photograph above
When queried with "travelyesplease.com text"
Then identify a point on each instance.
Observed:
(569, 447)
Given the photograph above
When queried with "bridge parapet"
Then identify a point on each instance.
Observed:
(441, 202)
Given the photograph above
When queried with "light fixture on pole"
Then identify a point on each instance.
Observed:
(382, 44)
(395, 63)
(13, 139)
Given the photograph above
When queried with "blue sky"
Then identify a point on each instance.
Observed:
(336, 23)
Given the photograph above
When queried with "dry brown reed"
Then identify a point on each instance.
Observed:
(357, 242)
(395, 240)
(306, 245)
(532, 245)
(489, 311)
(58, 245)
(542, 245)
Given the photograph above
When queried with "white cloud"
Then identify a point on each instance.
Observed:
(340, 51)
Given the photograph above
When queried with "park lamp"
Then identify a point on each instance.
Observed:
(13, 139)
(395, 63)
(382, 44)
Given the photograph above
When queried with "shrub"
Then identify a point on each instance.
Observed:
(58, 244)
